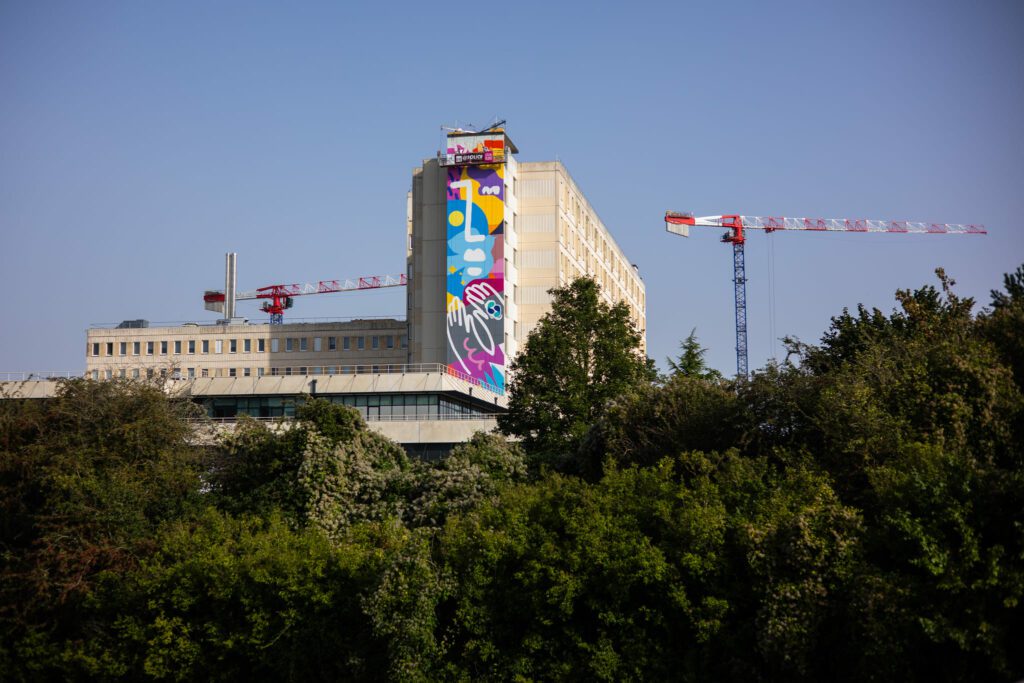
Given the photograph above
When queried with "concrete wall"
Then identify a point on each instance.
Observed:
(165, 340)
(432, 431)
(553, 235)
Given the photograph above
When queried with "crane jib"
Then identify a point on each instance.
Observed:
(737, 224)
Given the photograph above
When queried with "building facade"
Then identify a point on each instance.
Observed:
(242, 349)
(488, 238)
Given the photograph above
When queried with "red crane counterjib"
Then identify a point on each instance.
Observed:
(280, 295)
(325, 287)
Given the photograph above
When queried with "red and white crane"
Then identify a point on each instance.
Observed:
(679, 224)
(279, 297)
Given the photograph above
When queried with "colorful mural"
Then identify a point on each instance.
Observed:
(475, 149)
(476, 277)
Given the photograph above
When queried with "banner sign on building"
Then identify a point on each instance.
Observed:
(465, 150)
(475, 270)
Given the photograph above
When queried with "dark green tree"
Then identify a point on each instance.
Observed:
(582, 355)
(1003, 325)
(226, 598)
(703, 567)
(86, 478)
(915, 417)
(690, 362)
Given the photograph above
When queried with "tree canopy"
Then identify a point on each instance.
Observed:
(582, 355)
(851, 514)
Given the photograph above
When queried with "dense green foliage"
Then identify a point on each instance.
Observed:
(582, 355)
(851, 514)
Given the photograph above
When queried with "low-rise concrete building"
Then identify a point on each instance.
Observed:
(242, 349)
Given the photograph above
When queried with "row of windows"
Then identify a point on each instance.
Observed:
(372, 407)
(192, 346)
(192, 373)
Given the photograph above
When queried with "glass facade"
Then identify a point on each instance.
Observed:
(372, 406)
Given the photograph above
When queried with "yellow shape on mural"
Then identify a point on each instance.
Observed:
(456, 218)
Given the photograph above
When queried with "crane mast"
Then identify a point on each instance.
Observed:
(680, 223)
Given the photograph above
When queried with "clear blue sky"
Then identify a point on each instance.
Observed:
(140, 141)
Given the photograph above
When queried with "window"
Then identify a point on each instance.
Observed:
(330, 369)
(218, 346)
(302, 371)
(149, 348)
(135, 373)
(206, 346)
(332, 343)
(273, 372)
(260, 345)
(232, 346)
(390, 341)
(275, 345)
(246, 372)
(110, 350)
(96, 373)
(304, 344)
(375, 341)
(316, 371)
(247, 345)
(149, 373)
(123, 349)
(163, 348)
(231, 372)
(287, 371)
(177, 347)
(122, 373)
(206, 372)
(95, 351)
(289, 344)
(404, 341)
(316, 344)
(191, 373)
(259, 371)
(108, 374)
(191, 345)
(346, 346)
(136, 348)
(360, 343)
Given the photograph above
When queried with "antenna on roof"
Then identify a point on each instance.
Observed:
(497, 124)
(465, 128)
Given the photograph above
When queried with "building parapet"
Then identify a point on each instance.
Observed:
(247, 323)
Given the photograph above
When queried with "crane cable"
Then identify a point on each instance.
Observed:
(771, 291)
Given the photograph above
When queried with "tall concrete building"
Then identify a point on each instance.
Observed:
(488, 238)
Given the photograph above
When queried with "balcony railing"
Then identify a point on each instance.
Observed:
(372, 418)
(23, 376)
(369, 369)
